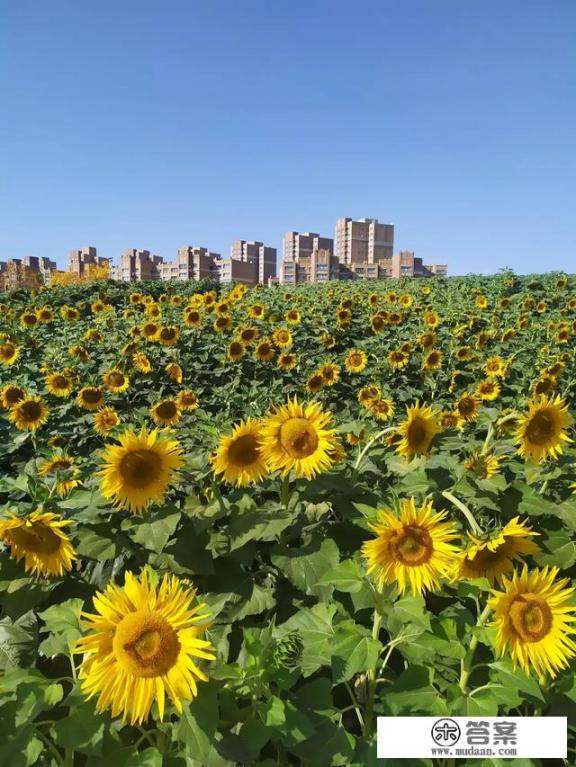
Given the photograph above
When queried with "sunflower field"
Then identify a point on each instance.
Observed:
(237, 525)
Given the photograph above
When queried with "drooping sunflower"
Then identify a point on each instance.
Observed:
(105, 420)
(9, 353)
(484, 466)
(29, 413)
(11, 394)
(494, 555)
(166, 412)
(295, 438)
(143, 646)
(115, 380)
(417, 431)
(174, 371)
(142, 362)
(59, 384)
(356, 361)
(412, 548)
(138, 471)
(236, 350)
(535, 621)
(239, 457)
(541, 431)
(90, 398)
(187, 400)
(39, 539)
(56, 462)
(382, 409)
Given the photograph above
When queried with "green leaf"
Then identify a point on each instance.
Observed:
(305, 566)
(53, 694)
(95, 543)
(63, 624)
(353, 651)
(17, 639)
(154, 534)
(197, 726)
(317, 632)
(348, 576)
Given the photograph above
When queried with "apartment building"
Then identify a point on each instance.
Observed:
(363, 240)
(254, 252)
(406, 264)
(80, 261)
(137, 264)
(27, 272)
(297, 245)
(320, 266)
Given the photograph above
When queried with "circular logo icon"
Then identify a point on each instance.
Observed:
(445, 732)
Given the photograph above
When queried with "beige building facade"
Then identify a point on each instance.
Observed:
(363, 240)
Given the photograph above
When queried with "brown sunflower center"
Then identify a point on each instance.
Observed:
(412, 546)
(37, 538)
(60, 382)
(13, 394)
(466, 406)
(116, 379)
(91, 395)
(243, 451)
(298, 437)
(145, 644)
(166, 410)
(531, 617)
(417, 434)
(541, 428)
(355, 360)
(168, 334)
(30, 411)
(140, 468)
(236, 348)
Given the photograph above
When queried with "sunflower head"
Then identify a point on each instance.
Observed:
(41, 541)
(139, 470)
(90, 398)
(239, 457)
(166, 412)
(542, 431)
(28, 413)
(11, 394)
(412, 548)
(105, 420)
(417, 431)
(144, 643)
(493, 555)
(534, 620)
(355, 361)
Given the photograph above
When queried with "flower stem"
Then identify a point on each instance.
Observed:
(466, 662)
(474, 526)
(371, 677)
(285, 491)
(369, 444)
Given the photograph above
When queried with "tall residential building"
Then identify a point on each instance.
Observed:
(137, 265)
(320, 266)
(255, 252)
(406, 264)
(297, 245)
(28, 272)
(80, 261)
(192, 263)
(364, 240)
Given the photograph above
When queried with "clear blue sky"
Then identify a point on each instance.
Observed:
(157, 124)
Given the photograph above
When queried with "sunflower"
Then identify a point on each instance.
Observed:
(80, 352)
(256, 311)
(187, 400)
(45, 315)
(495, 366)
(143, 645)
(467, 407)
(9, 353)
(368, 393)
(139, 470)
(330, 373)
(398, 359)
(542, 430)
(165, 412)
(239, 456)
(534, 621)
(248, 334)
(295, 437)
(142, 362)
(431, 319)
(264, 351)
(59, 384)
(287, 361)
(494, 555)
(29, 413)
(315, 383)
(488, 390)
(463, 354)
(56, 462)
(328, 341)
(382, 409)
(355, 361)
(192, 317)
(417, 431)
(236, 350)
(28, 319)
(150, 330)
(115, 380)
(105, 420)
(293, 316)
(11, 394)
(412, 548)
(282, 338)
(90, 398)
(426, 340)
(174, 371)
(483, 466)
(433, 360)
(377, 323)
(40, 540)
(449, 419)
